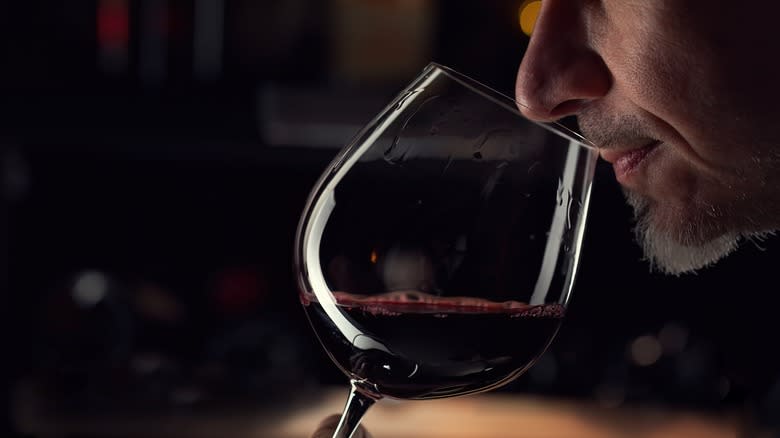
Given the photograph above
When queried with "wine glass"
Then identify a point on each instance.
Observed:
(436, 255)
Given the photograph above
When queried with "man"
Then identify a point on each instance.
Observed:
(682, 97)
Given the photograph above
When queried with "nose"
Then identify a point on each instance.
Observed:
(560, 73)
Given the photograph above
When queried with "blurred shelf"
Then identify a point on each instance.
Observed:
(274, 124)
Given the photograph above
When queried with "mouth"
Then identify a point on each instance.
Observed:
(625, 162)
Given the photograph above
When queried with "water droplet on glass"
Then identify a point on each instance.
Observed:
(492, 182)
(388, 155)
(478, 155)
(391, 155)
(406, 97)
(483, 138)
(559, 193)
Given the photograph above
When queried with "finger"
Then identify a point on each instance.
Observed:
(328, 426)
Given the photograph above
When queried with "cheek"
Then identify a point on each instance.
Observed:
(693, 110)
(666, 83)
(684, 201)
(671, 181)
(683, 194)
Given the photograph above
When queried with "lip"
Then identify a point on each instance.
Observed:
(625, 162)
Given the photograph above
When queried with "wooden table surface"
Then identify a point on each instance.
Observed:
(509, 416)
(480, 416)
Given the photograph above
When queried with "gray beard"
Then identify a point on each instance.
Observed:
(681, 252)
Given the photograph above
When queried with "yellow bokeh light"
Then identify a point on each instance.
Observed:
(373, 256)
(527, 14)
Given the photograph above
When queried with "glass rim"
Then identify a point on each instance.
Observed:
(555, 127)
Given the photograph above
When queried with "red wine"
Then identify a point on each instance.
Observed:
(413, 345)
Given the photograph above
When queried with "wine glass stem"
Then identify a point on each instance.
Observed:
(357, 405)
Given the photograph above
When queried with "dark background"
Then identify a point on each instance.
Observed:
(161, 152)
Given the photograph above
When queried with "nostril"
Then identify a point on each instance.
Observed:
(535, 103)
(535, 113)
(568, 108)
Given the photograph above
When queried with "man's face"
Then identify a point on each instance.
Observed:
(682, 98)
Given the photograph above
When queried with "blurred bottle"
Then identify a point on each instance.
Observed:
(380, 40)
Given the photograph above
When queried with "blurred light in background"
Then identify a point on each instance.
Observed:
(373, 257)
(90, 288)
(407, 269)
(645, 350)
(186, 395)
(146, 363)
(240, 291)
(113, 35)
(527, 14)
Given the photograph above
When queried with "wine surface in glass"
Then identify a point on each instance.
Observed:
(431, 346)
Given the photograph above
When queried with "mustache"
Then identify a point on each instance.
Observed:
(623, 131)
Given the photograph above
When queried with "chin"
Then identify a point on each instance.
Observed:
(682, 238)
